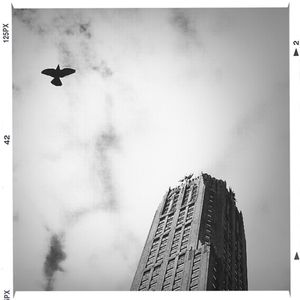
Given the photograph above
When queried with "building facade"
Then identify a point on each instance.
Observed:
(196, 241)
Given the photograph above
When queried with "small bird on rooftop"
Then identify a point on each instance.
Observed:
(58, 73)
(186, 178)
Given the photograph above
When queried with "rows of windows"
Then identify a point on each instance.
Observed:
(162, 248)
(164, 225)
(176, 241)
(181, 216)
(154, 278)
(190, 194)
(238, 268)
(194, 192)
(145, 280)
(214, 283)
(160, 227)
(175, 199)
(190, 212)
(169, 222)
(152, 254)
(168, 201)
(236, 264)
(179, 273)
(185, 237)
(168, 276)
(227, 250)
(209, 216)
(157, 256)
(194, 281)
(171, 201)
(186, 195)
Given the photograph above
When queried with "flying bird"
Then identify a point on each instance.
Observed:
(58, 73)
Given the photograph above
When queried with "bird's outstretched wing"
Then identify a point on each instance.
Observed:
(66, 71)
(50, 72)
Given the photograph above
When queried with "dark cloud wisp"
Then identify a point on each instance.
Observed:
(53, 259)
(107, 141)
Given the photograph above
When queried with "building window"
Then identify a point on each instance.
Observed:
(194, 193)
(186, 195)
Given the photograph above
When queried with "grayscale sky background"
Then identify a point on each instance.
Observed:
(157, 94)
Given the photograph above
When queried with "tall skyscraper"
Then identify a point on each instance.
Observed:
(196, 241)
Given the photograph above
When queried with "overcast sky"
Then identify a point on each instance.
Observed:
(157, 94)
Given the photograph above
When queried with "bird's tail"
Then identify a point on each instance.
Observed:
(56, 81)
